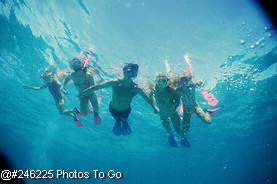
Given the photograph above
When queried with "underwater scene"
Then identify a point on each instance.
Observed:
(137, 91)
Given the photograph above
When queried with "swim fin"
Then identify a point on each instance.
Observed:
(77, 122)
(97, 119)
(117, 128)
(172, 142)
(185, 143)
(126, 129)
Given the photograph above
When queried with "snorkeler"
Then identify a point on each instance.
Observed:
(123, 91)
(56, 90)
(186, 91)
(82, 78)
(167, 101)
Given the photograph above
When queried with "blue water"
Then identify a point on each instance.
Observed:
(232, 48)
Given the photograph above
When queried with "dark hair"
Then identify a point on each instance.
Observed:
(131, 66)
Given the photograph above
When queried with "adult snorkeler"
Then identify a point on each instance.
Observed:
(56, 90)
(187, 90)
(123, 91)
(82, 78)
(167, 101)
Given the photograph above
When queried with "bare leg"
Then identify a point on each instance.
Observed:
(94, 103)
(62, 110)
(205, 116)
(179, 129)
(176, 121)
(166, 124)
(186, 120)
(84, 102)
(167, 127)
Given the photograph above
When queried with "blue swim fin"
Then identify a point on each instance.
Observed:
(172, 142)
(126, 129)
(185, 143)
(117, 128)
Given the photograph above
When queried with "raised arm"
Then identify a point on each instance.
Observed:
(188, 62)
(97, 68)
(148, 99)
(168, 69)
(37, 88)
(93, 88)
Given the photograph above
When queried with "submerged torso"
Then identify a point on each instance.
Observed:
(122, 95)
(188, 96)
(82, 79)
(166, 99)
(54, 87)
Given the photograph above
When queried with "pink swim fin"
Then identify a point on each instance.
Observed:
(212, 101)
(97, 120)
(212, 110)
(78, 123)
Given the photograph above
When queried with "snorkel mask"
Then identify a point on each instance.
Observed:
(46, 75)
(162, 81)
(130, 70)
(185, 80)
(76, 64)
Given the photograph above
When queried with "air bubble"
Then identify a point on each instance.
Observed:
(252, 46)
(242, 41)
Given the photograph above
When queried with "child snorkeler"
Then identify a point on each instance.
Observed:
(123, 91)
(56, 90)
(167, 101)
(83, 77)
(186, 91)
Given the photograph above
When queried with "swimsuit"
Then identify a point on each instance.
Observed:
(119, 114)
(54, 88)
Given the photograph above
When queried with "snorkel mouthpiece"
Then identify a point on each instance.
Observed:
(131, 70)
